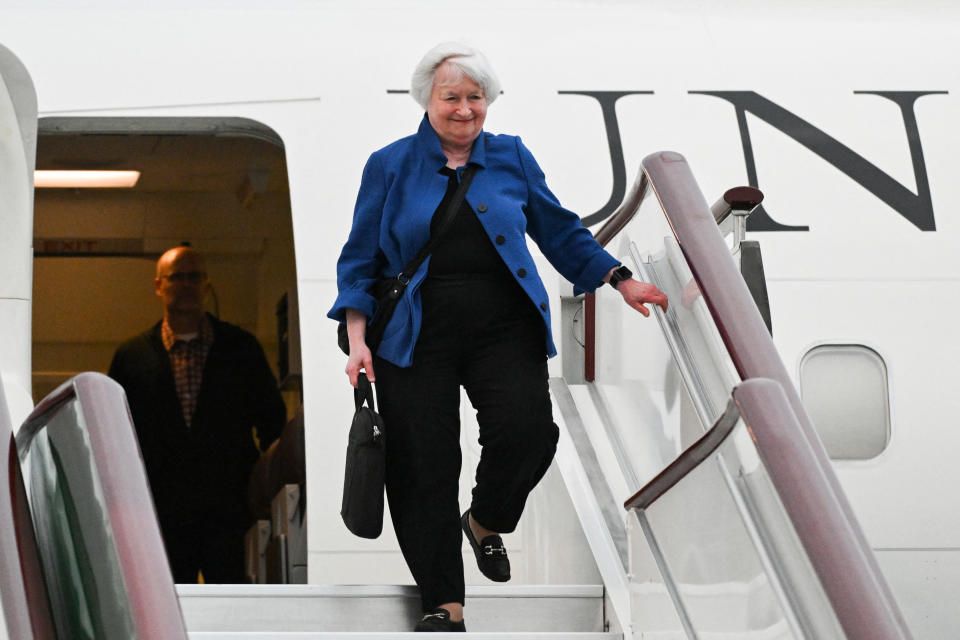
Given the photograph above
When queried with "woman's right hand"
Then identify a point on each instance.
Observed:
(360, 357)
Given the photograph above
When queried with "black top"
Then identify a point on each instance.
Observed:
(465, 249)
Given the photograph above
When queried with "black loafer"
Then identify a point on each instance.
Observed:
(439, 620)
(491, 554)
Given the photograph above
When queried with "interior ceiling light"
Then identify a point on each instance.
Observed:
(48, 179)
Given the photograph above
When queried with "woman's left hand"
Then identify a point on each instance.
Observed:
(360, 357)
(637, 294)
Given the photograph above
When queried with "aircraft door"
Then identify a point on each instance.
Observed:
(18, 142)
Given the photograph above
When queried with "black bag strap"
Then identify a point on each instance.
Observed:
(363, 393)
(398, 284)
(442, 226)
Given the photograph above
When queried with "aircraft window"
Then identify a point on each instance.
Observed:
(845, 391)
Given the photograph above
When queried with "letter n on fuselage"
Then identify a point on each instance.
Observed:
(916, 208)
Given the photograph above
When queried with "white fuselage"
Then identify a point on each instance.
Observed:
(878, 265)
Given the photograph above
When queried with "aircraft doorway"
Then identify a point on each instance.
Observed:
(217, 184)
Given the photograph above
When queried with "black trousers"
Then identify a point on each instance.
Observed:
(485, 335)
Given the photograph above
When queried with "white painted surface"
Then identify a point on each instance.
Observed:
(862, 274)
(15, 365)
(16, 240)
(919, 579)
(384, 609)
(18, 401)
(895, 495)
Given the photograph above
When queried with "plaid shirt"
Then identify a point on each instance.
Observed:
(187, 359)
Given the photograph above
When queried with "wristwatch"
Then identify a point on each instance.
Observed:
(620, 274)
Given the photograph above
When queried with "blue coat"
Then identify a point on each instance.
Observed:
(399, 193)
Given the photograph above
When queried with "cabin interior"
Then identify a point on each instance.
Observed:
(219, 185)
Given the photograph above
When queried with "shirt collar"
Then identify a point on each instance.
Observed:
(430, 143)
(169, 338)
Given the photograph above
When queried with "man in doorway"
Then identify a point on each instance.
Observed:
(197, 389)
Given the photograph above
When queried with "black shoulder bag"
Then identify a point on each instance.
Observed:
(388, 291)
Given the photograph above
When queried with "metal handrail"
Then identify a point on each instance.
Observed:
(830, 534)
(625, 212)
(799, 621)
(735, 199)
(690, 459)
(23, 590)
(147, 582)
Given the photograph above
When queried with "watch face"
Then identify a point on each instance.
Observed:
(619, 275)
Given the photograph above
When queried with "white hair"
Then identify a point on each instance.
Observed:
(465, 59)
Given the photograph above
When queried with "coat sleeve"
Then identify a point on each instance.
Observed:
(269, 413)
(562, 238)
(125, 366)
(361, 260)
(117, 369)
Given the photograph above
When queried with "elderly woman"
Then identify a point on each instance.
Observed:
(475, 314)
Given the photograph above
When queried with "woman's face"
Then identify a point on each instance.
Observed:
(456, 109)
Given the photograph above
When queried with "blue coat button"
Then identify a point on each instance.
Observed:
(481, 208)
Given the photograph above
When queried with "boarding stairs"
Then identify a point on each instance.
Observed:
(276, 553)
(295, 612)
(701, 491)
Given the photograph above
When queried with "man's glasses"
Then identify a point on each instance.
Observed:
(192, 277)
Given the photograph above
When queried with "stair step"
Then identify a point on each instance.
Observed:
(379, 635)
(315, 611)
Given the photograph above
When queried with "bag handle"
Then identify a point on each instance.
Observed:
(363, 393)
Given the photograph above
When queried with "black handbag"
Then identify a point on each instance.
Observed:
(362, 506)
(388, 291)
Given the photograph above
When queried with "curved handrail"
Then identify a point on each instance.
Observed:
(735, 199)
(619, 219)
(862, 600)
(625, 212)
(147, 582)
(687, 461)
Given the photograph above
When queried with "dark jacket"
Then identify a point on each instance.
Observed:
(201, 473)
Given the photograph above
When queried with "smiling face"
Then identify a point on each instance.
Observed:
(457, 107)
